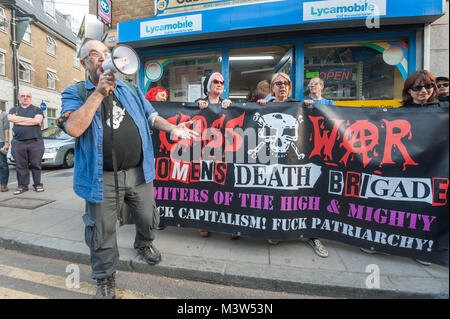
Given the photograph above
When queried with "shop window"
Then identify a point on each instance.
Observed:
(249, 66)
(181, 75)
(25, 69)
(2, 63)
(358, 71)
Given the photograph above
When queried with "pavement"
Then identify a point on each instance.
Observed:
(56, 230)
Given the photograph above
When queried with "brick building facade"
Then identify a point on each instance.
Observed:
(126, 10)
(47, 61)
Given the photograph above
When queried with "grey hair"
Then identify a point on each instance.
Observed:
(84, 52)
(320, 80)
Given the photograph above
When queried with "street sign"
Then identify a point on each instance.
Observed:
(104, 11)
(43, 106)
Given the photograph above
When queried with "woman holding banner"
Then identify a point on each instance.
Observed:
(213, 88)
(281, 88)
(420, 90)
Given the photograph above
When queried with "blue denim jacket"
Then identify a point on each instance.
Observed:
(88, 169)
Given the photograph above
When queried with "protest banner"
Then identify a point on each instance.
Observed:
(368, 177)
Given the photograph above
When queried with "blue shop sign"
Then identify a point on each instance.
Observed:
(287, 15)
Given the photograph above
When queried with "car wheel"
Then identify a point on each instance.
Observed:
(69, 159)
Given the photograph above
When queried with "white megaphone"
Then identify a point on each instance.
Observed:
(123, 60)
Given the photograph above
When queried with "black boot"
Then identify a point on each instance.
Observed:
(150, 254)
(106, 288)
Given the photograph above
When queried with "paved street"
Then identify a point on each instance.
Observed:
(25, 276)
(54, 229)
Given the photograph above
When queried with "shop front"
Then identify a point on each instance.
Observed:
(361, 49)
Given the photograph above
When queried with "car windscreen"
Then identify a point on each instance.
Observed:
(54, 133)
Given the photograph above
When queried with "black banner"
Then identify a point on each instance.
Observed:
(368, 177)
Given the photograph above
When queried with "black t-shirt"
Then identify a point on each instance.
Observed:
(127, 141)
(21, 132)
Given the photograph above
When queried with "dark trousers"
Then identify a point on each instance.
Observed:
(4, 169)
(101, 218)
(28, 154)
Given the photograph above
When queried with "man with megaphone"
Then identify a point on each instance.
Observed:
(114, 161)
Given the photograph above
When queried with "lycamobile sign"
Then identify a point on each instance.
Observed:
(339, 9)
(171, 26)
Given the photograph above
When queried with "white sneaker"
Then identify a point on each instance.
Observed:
(318, 247)
(368, 251)
(425, 263)
(372, 251)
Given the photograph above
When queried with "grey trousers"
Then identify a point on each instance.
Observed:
(101, 219)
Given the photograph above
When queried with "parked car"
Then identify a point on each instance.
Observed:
(59, 149)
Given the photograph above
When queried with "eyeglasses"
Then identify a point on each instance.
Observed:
(218, 82)
(418, 88)
(445, 85)
(280, 83)
(99, 55)
(313, 84)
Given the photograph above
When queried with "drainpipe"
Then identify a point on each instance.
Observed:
(426, 46)
(15, 67)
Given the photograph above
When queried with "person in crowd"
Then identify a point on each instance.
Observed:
(27, 145)
(4, 146)
(213, 86)
(113, 162)
(281, 89)
(157, 94)
(316, 86)
(419, 90)
(442, 85)
(262, 91)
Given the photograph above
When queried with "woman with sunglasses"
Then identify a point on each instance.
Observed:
(280, 88)
(213, 87)
(442, 85)
(420, 90)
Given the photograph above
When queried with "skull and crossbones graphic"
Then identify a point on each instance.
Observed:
(280, 131)
(118, 115)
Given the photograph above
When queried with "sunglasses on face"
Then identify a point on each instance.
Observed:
(443, 85)
(218, 82)
(419, 87)
(281, 83)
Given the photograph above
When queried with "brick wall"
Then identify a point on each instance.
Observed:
(126, 10)
(61, 62)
